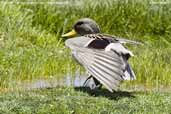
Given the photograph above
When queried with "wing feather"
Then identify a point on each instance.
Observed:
(108, 67)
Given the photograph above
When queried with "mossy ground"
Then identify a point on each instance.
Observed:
(84, 101)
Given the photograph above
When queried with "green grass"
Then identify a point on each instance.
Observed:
(31, 46)
(84, 101)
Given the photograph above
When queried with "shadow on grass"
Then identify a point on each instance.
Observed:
(105, 93)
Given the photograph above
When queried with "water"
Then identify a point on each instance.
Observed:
(76, 81)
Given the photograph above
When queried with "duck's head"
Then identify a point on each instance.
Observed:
(82, 27)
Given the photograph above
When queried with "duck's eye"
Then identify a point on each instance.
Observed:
(80, 23)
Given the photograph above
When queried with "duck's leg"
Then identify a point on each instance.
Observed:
(98, 85)
(87, 80)
(94, 84)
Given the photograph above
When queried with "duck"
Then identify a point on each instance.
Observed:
(104, 57)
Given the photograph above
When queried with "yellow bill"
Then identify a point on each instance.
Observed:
(70, 34)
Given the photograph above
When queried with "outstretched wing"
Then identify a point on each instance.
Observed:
(107, 67)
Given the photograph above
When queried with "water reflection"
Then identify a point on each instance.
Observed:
(76, 81)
